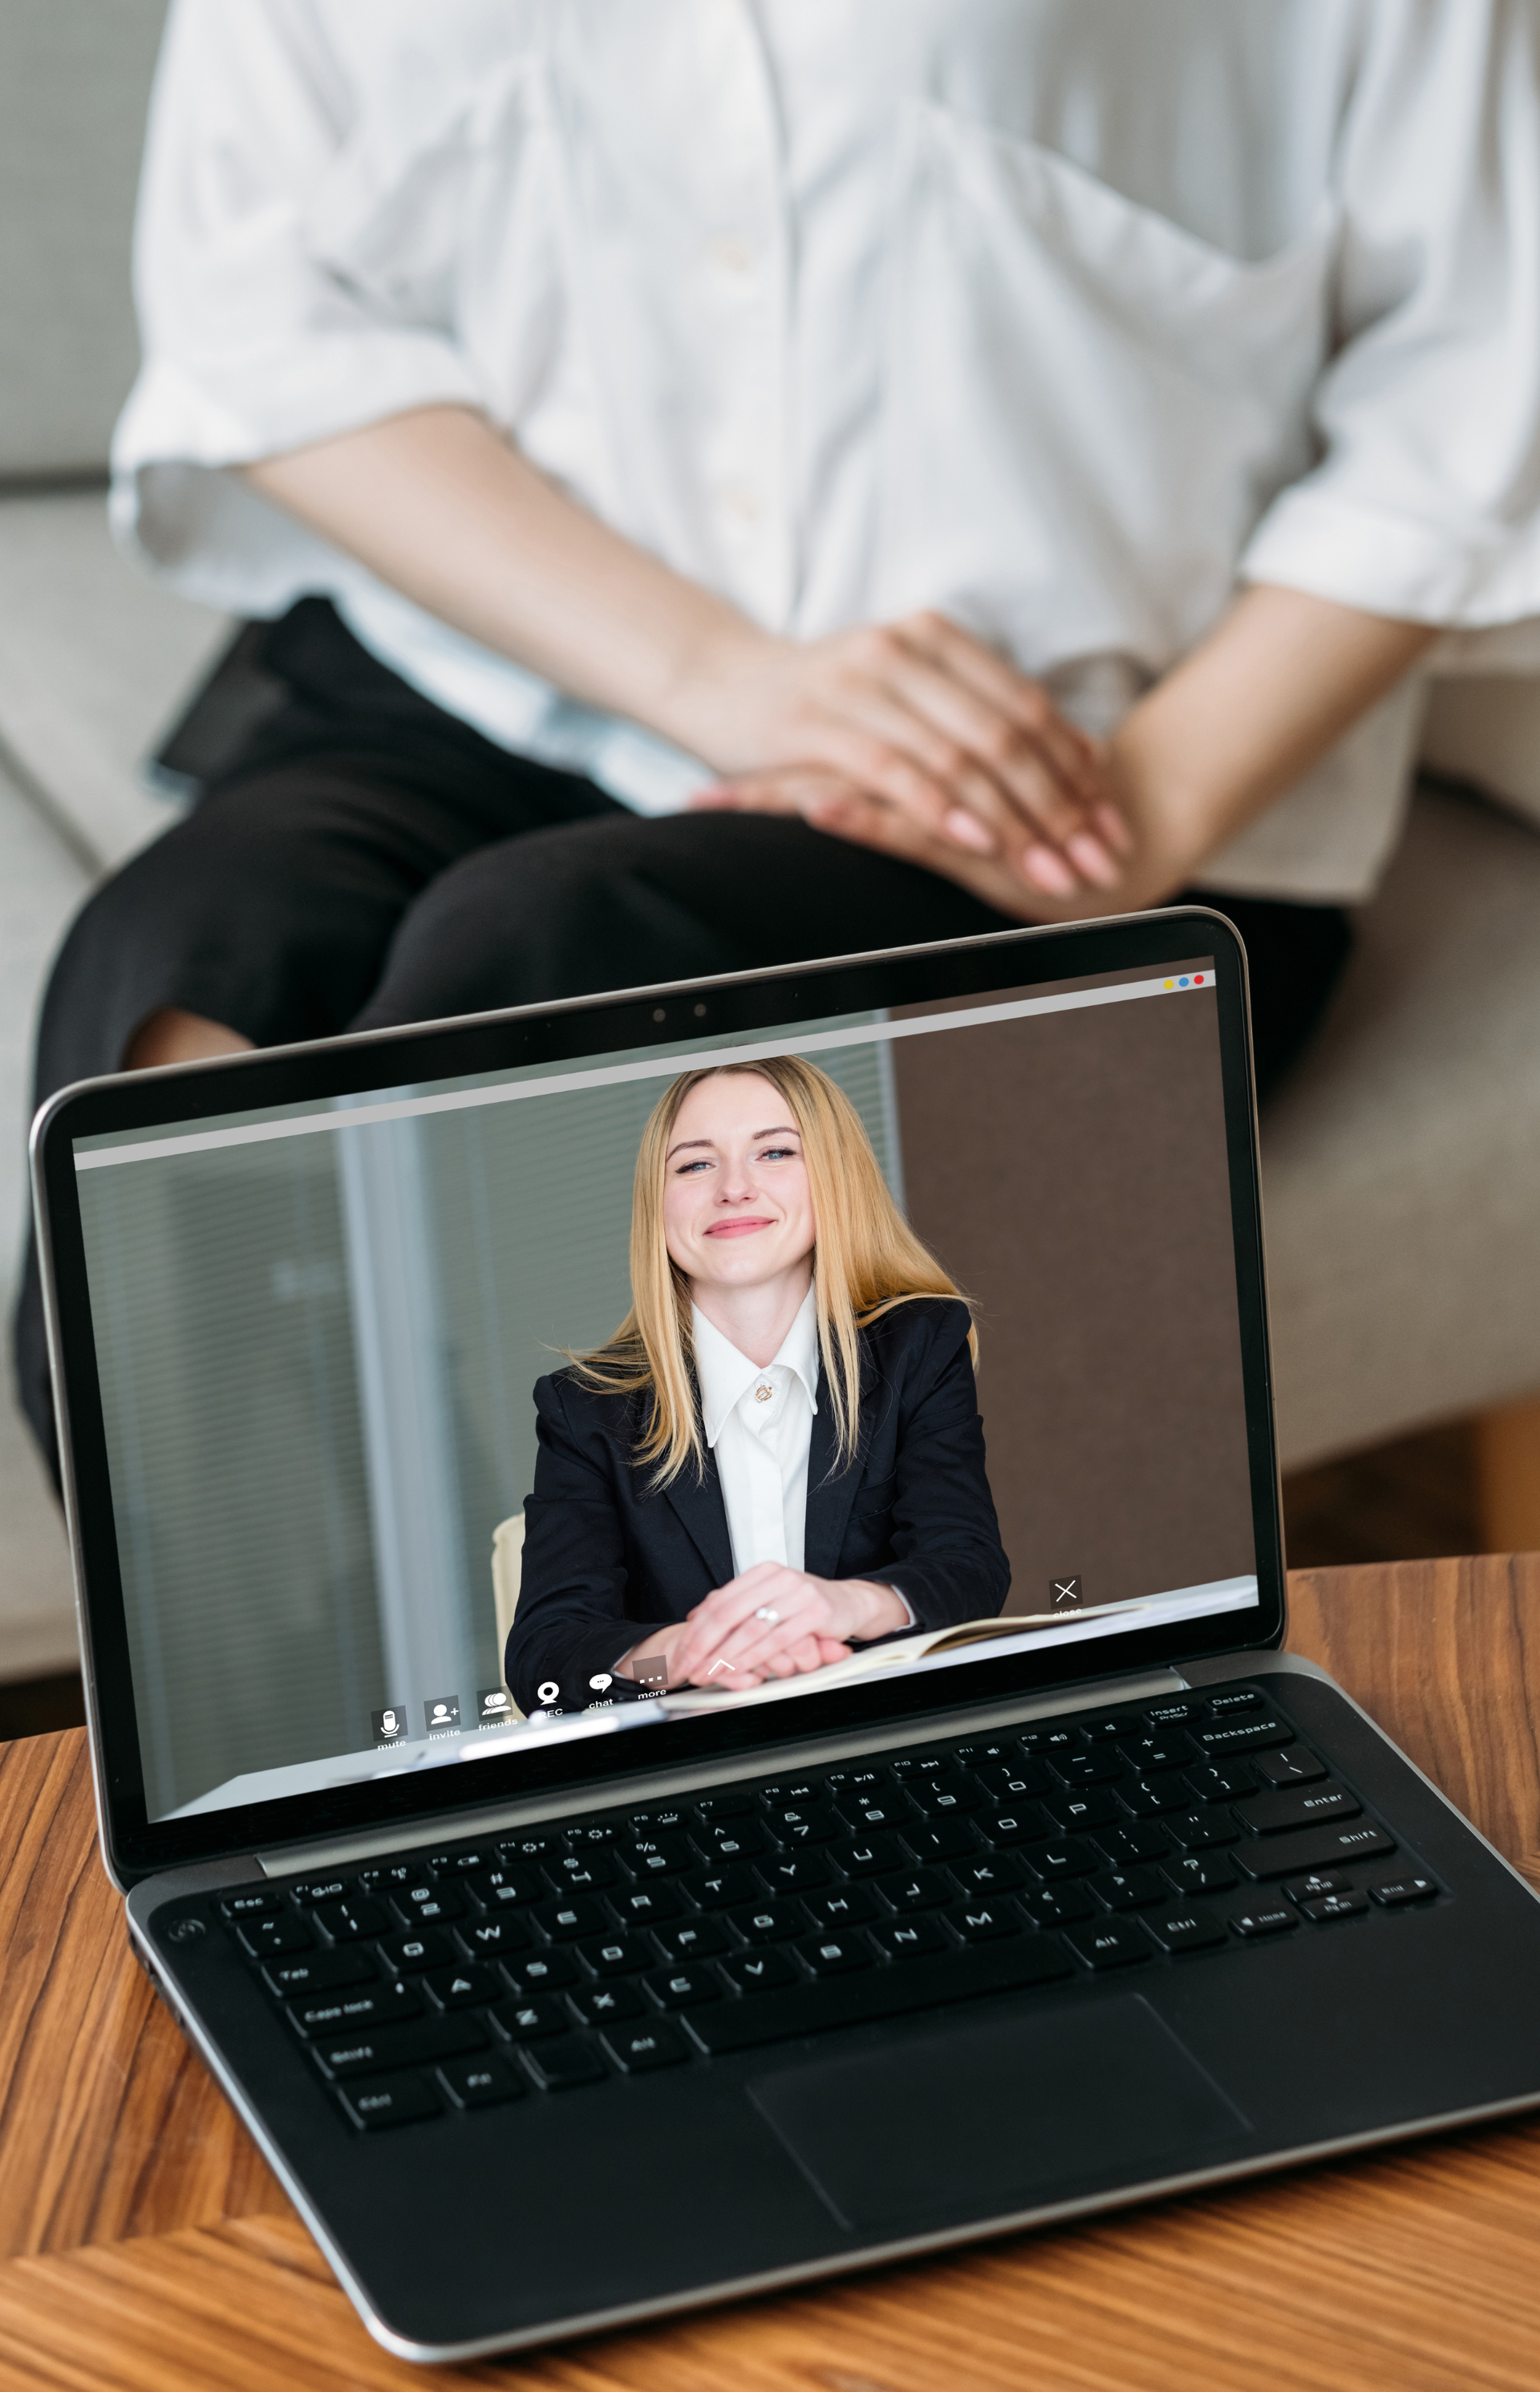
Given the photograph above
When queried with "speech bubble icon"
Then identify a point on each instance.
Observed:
(549, 1691)
(600, 1682)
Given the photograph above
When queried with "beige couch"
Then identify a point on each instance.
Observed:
(1399, 1166)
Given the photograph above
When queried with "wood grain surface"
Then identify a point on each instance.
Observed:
(144, 2245)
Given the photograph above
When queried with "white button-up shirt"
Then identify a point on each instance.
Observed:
(1065, 320)
(760, 1425)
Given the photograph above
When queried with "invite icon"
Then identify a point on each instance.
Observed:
(441, 1712)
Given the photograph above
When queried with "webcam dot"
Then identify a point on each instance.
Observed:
(657, 1013)
(699, 1011)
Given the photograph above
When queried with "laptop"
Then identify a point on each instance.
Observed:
(561, 1996)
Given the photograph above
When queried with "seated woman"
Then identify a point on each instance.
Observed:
(778, 1455)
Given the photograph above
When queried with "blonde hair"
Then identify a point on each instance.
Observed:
(866, 1259)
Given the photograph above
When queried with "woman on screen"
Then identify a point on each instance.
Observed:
(778, 1456)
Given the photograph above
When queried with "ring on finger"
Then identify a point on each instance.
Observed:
(765, 1613)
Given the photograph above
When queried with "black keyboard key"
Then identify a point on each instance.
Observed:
(597, 2005)
(1071, 1856)
(1044, 1740)
(1165, 1715)
(318, 1972)
(463, 1988)
(1240, 1698)
(649, 1905)
(391, 2101)
(690, 1939)
(482, 2083)
(1300, 1806)
(1184, 1927)
(983, 1874)
(1058, 1905)
(264, 1938)
(835, 1955)
(806, 1823)
(1246, 1735)
(938, 1839)
(1072, 1812)
(259, 1902)
(1199, 1872)
(951, 1976)
(790, 1793)
(350, 1922)
(1128, 1847)
(371, 2051)
(732, 1839)
(869, 1855)
(1267, 1918)
(427, 1905)
(525, 1852)
(658, 1855)
(1396, 1893)
(1291, 1766)
(337, 2014)
(756, 1971)
(616, 1955)
(910, 1939)
(720, 1889)
(541, 1973)
(916, 1890)
(1008, 1786)
(1108, 1943)
(1326, 1906)
(1147, 1797)
(459, 1861)
(388, 1875)
(1111, 1727)
(307, 1892)
(1097, 1767)
(1028, 1824)
(1276, 1856)
(582, 1872)
(681, 1989)
(637, 2049)
(492, 1939)
(1198, 1830)
(942, 1798)
(770, 1922)
(1221, 1781)
(1129, 1889)
(565, 1921)
(875, 1817)
(1314, 1881)
(790, 1872)
(528, 2019)
(594, 1835)
(983, 1922)
(1165, 1748)
(665, 1819)
(731, 1805)
(506, 1888)
(408, 1956)
(843, 1905)
(562, 2065)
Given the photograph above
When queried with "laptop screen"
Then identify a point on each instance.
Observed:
(468, 1418)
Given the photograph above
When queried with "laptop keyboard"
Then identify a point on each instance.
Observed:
(467, 1976)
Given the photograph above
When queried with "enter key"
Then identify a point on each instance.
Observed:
(1299, 1806)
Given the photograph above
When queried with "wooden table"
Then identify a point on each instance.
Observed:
(143, 2243)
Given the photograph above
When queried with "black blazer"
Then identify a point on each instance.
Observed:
(607, 1559)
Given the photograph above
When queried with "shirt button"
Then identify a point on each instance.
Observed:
(732, 256)
(763, 1395)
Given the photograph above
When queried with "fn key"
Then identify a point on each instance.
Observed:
(375, 2101)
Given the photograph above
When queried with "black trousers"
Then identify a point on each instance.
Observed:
(366, 860)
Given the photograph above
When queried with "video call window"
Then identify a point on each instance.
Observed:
(320, 1334)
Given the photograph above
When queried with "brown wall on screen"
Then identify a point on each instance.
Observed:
(1069, 1170)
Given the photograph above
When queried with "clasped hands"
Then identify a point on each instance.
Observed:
(772, 1622)
(915, 738)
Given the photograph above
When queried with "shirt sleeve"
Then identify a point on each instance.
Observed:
(1425, 501)
(251, 343)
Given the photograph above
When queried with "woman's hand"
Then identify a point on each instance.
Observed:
(775, 1622)
(934, 738)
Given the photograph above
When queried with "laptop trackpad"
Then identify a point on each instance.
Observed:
(998, 2117)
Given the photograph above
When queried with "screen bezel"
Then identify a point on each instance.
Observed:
(747, 1003)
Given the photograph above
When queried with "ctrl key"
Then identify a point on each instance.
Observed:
(375, 2101)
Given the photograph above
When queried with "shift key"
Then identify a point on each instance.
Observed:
(1315, 1848)
(1299, 1806)
(372, 2050)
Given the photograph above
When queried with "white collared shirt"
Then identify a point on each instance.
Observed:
(1063, 319)
(760, 1425)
